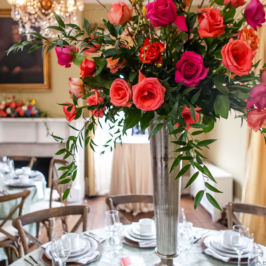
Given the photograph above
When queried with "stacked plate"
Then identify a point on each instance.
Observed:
(19, 183)
(215, 247)
(84, 249)
(133, 236)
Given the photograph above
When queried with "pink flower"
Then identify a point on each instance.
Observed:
(65, 55)
(76, 87)
(255, 14)
(161, 12)
(256, 119)
(70, 114)
(257, 97)
(96, 99)
(180, 22)
(190, 69)
(120, 93)
(119, 13)
(148, 94)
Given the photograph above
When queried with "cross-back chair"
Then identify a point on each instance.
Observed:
(44, 217)
(8, 234)
(232, 208)
(113, 202)
(29, 159)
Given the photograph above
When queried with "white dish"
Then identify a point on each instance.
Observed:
(135, 239)
(136, 230)
(19, 183)
(140, 237)
(79, 244)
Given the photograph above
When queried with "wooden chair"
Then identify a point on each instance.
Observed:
(29, 159)
(231, 208)
(8, 234)
(114, 201)
(44, 217)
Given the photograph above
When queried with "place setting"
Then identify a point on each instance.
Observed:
(141, 234)
(71, 248)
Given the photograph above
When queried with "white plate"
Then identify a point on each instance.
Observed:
(140, 237)
(88, 251)
(136, 231)
(79, 244)
(135, 239)
(19, 183)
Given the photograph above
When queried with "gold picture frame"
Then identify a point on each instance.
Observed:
(32, 72)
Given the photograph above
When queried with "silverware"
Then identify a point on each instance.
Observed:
(34, 260)
(28, 262)
(197, 239)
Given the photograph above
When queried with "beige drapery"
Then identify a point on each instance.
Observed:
(255, 188)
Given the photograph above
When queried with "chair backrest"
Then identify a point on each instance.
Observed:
(231, 208)
(114, 200)
(29, 159)
(44, 217)
(21, 196)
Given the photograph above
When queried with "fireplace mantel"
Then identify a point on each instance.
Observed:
(30, 136)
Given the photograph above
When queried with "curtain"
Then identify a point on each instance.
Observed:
(255, 187)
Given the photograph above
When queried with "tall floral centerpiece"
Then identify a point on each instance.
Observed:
(167, 68)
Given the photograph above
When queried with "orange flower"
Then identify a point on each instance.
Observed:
(114, 64)
(249, 35)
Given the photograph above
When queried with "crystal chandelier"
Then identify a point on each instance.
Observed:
(33, 14)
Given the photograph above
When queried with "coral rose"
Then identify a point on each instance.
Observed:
(211, 23)
(257, 97)
(119, 13)
(76, 87)
(186, 114)
(249, 35)
(161, 12)
(70, 114)
(65, 55)
(114, 65)
(237, 57)
(120, 93)
(96, 99)
(235, 3)
(148, 95)
(87, 68)
(255, 14)
(151, 52)
(256, 119)
(190, 69)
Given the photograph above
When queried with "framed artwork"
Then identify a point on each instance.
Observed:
(20, 71)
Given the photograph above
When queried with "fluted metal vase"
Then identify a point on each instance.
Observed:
(166, 191)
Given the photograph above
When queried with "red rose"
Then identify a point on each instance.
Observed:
(87, 68)
(119, 13)
(70, 115)
(263, 76)
(151, 52)
(256, 119)
(114, 65)
(237, 57)
(211, 23)
(120, 93)
(93, 48)
(235, 3)
(96, 99)
(186, 114)
(148, 95)
(3, 113)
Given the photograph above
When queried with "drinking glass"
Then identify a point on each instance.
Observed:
(60, 250)
(240, 233)
(114, 230)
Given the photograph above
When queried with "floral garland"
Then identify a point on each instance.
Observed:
(160, 64)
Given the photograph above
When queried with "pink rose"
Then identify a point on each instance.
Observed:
(96, 99)
(190, 69)
(255, 14)
(65, 55)
(120, 93)
(161, 12)
(180, 22)
(76, 87)
(257, 97)
(235, 3)
(119, 13)
(256, 119)
(70, 114)
(148, 94)
(237, 57)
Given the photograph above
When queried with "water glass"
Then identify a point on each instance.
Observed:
(114, 230)
(60, 250)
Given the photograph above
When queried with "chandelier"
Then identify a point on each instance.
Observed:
(38, 14)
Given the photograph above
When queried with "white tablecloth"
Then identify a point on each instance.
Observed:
(190, 257)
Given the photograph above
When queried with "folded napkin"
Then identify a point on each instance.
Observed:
(148, 243)
(214, 254)
(39, 187)
(86, 258)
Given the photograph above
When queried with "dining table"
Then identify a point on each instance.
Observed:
(191, 256)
